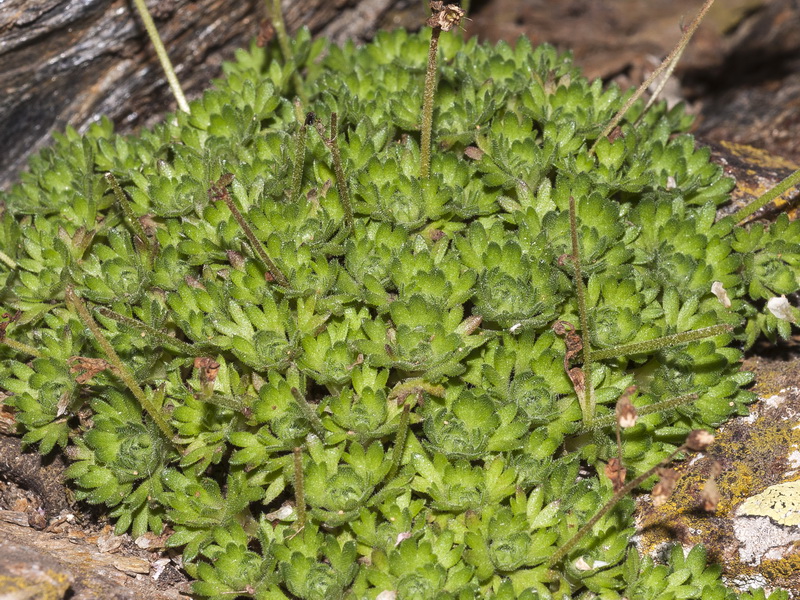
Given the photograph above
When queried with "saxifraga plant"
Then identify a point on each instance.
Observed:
(334, 372)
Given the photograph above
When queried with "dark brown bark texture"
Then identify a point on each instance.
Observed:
(66, 62)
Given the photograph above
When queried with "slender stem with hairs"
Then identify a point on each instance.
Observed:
(121, 370)
(258, 248)
(427, 106)
(161, 52)
(299, 489)
(745, 212)
(676, 52)
(618, 495)
(587, 406)
(399, 443)
(20, 347)
(341, 181)
(658, 343)
(130, 216)
(276, 14)
(309, 413)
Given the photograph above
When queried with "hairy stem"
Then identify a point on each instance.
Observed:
(254, 241)
(309, 413)
(299, 489)
(161, 52)
(745, 212)
(400, 442)
(159, 336)
(130, 216)
(427, 106)
(20, 347)
(656, 407)
(587, 406)
(341, 181)
(659, 343)
(676, 52)
(299, 157)
(276, 14)
(122, 371)
(618, 495)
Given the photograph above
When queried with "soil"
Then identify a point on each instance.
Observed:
(741, 76)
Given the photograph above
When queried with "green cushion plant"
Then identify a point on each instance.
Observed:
(338, 363)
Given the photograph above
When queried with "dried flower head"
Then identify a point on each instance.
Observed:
(781, 309)
(710, 495)
(721, 293)
(698, 440)
(665, 486)
(625, 410)
(444, 16)
(208, 368)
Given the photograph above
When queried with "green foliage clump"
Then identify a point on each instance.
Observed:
(360, 391)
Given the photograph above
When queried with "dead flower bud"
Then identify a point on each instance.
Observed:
(208, 368)
(616, 473)
(698, 440)
(444, 16)
(721, 293)
(710, 495)
(625, 410)
(665, 486)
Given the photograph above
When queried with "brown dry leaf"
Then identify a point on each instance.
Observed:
(10, 319)
(87, 367)
(572, 340)
(578, 380)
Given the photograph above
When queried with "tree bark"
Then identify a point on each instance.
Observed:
(67, 62)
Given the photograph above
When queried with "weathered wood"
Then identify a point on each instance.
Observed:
(66, 63)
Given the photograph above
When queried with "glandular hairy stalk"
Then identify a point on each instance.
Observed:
(276, 15)
(299, 156)
(220, 192)
(163, 57)
(650, 346)
(309, 413)
(130, 216)
(588, 401)
(668, 63)
(159, 337)
(400, 442)
(299, 489)
(13, 344)
(443, 18)
(656, 407)
(427, 106)
(341, 181)
(697, 440)
(121, 370)
(785, 185)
